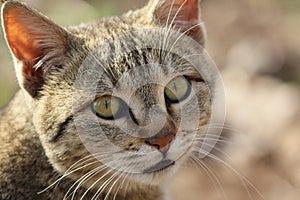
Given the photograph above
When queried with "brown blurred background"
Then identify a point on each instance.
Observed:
(256, 45)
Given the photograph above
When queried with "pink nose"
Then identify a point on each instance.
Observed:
(161, 141)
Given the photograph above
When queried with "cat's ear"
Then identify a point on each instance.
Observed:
(180, 14)
(33, 40)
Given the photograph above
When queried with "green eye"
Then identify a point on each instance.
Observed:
(107, 107)
(178, 89)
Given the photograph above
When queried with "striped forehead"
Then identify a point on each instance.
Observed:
(131, 68)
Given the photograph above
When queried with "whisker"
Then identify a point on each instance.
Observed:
(219, 141)
(107, 182)
(170, 25)
(104, 185)
(99, 179)
(64, 175)
(167, 24)
(127, 183)
(115, 182)
(182, 34)
(243, 179)
(216, 149)
(122, 183)
(85, 178)
(212, 176)
(82, 180)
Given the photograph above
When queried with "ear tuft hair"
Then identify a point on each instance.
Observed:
(33, 40)
(183, 15)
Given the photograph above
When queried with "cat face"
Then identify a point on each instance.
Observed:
(120, 98)
(140, 121)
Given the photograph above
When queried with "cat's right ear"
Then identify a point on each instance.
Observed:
(183, 15)
(36, 43)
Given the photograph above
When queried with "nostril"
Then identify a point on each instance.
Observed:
(149, 142)
(160, 142)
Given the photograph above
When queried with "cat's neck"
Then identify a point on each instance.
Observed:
(24, 167)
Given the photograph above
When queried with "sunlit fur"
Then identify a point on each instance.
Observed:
(83, 173)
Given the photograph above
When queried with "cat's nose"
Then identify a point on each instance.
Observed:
(161, 141)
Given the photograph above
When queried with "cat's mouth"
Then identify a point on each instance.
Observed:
(158, 167)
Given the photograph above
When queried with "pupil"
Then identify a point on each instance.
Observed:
(106, 102)
(175, 86)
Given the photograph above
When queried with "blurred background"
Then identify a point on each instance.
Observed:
(256, 45)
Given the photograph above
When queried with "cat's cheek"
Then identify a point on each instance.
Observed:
(62, 146)
(63, 153)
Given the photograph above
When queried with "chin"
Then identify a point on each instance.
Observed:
(158, 175)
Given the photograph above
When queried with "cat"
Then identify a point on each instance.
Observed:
(108, 109)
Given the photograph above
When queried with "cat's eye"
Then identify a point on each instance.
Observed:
(108, 107)
(177, 89)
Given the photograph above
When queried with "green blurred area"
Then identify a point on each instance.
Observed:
(72, 12)
(290, 5)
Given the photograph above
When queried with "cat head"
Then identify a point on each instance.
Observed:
(122, 97)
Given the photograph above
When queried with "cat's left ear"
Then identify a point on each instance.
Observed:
(36, 43)
(180, 14)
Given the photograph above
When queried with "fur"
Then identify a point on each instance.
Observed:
(48, 129)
